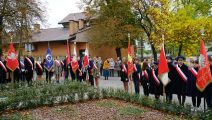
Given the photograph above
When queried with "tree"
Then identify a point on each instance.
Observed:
(113, 22)
(18, 16)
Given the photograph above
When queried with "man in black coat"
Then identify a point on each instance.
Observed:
(180, 80)
(29, 67)
(136, 76)
(208, 91)
(3, 70)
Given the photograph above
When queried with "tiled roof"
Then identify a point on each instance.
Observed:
(51, 34)
(73, 16)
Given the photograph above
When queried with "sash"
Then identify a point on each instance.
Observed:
(62, 62)
(3, 66)
(40, 67)
(145, 74)
(22, 64)
(155, 77)
(180, 72)
(193, 71)
(124, 69)
(94, 65)
(135, 69)
(30, 62)
(57, 63)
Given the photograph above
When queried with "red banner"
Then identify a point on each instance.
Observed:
(204, 73)
(12, 59)
(130, 61)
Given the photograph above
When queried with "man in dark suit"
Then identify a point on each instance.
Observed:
(29, 67)
(136, 75)
(3, 70)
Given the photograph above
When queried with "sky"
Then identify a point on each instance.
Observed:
(57, 10)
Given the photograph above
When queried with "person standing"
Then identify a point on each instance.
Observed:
(3, 70)
(96, 71)
(169, 86)
(29, 67)
(208, 90)
(39, 68)
(22, 68)
(79, 71)
(145, 78)
(181, 78)
(112, 67)
(124, 74)
(136, 75)
(118, 66)
(106, 69)
(57, 69)
(91, 72)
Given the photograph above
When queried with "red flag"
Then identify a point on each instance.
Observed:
(74, 62)
(129, 60)
(85, 59)
(12, 59)
(204, 73)
(163, 68)
(68, 58)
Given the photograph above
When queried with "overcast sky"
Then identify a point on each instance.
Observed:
(58, 9)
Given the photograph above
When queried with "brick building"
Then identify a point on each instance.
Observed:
(74, 29)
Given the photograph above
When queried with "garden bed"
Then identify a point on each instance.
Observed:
(105, 109)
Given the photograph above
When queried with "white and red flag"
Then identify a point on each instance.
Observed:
(12, 59)
(163, 68)
(204, 72)
(74, 62)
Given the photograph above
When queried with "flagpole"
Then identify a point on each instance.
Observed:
(202, 33)
(12, 77)
(164, 89)
(130, 77)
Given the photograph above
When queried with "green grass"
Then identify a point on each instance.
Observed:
(109, 104)
(130, 110)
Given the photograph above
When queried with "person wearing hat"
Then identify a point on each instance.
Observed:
(136, 75)
(169, 86)
(155, 85)
(180, 81)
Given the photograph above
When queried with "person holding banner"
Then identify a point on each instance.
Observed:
(136, 75)
(145, 78)
(39, 68)
(97, 74)
(124, 74)
(155, 85)
(3, 70)
(79, 71)
(29, 67)
(91, 72)
(169, 86)
(181, 77)
(57, 69)
(49, 63)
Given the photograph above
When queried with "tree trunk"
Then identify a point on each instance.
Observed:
(1, 31)
(153, 49)
(118, 52)
(180, 49)
(142, 49)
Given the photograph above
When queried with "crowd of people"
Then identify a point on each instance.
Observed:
(182, 77)
(182, 80)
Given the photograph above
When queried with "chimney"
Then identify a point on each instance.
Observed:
(36, 28)
(73, 27)
(81, 24)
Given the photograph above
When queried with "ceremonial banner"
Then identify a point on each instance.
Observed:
(49, 60)
(204, 73)
(74, 62)
(85, 59)
(163, 68)
(12, 59)
(129, 60)
(68, 58)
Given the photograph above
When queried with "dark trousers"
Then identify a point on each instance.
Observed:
(73, 75)
(48, 76)
(29, 76)
(181, 99)
(2, 78)
(145, 88)
(91, 80)
(136, 86)
(196, 101)
(22, 75)
(169, 97)
(119, 73)
(209, 101)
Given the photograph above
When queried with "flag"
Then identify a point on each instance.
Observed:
(68, 58)
(129, 60)
(163, 68)
(85, 59)
(49, 60)
(12, 58)
(74, 62)
(204, 73)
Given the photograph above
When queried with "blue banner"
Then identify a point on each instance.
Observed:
(49, 60)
